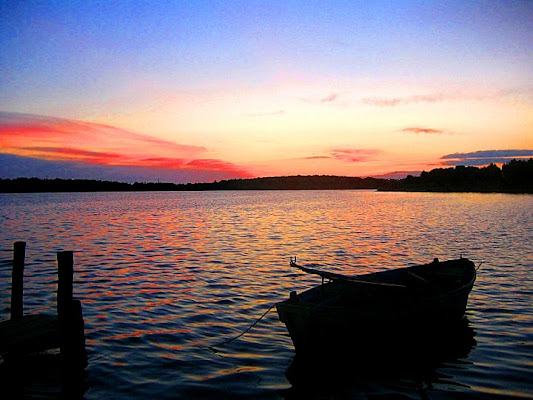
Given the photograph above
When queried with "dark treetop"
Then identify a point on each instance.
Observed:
(513, 177)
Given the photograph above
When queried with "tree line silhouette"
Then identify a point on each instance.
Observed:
(514, 177)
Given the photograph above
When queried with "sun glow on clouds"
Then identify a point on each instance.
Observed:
(58, 139)
(267, 125)
(286, 128)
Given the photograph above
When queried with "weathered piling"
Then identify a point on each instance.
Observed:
(65, 272)
(73, 354)
(70, 316)
(17, 279)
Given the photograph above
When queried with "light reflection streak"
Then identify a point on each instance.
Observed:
(147, 332)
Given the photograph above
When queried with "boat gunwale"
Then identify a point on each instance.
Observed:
(452, 291)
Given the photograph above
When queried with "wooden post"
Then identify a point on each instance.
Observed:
(65, 271)
(70, 316)
(17, 280)
(75, 356)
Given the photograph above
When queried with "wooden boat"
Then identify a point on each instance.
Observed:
(383, 308)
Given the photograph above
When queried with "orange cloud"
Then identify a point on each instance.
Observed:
(57, 139)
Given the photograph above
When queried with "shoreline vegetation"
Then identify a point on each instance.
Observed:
(515, 176)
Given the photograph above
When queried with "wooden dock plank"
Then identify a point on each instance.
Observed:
(29, 334)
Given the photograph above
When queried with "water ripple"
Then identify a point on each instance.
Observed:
(163, 276)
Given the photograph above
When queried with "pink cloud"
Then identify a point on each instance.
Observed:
(57, 139)
(218, 165)
(328, 99)
(25, 130)
(349, 155)
(163, 162)
(355, 155)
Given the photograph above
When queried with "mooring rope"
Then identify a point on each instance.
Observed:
(242, 333)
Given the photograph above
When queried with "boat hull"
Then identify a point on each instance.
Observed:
(345, 315)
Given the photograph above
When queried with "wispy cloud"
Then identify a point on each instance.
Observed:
(402, 101)
(355, 155)
(519, 94)
(46, 135)
(317, 157)
(57, 139)
(328, 99)
(71, 152)
(423, 130)
(347, 155)
(484, 157)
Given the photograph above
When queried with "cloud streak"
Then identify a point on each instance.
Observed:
(317, 158)
(484, 157)
(56, 139)
(355, 155)
(421, 130)
(348, 155)
(329, 99)
(402, 101)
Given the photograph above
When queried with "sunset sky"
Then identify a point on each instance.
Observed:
(189, 91)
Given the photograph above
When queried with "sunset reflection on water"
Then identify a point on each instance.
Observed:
(163, 276)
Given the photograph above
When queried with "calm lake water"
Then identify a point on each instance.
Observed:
(163, 276)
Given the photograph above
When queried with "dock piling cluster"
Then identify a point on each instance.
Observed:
(31, 333)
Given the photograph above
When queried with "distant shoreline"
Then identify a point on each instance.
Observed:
(513, 177)
(316, 182)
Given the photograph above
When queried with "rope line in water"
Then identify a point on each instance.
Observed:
(242, 333)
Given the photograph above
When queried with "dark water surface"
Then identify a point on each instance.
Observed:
(163, 276)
